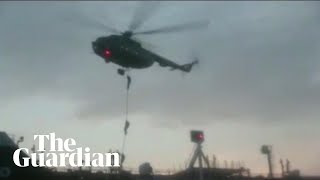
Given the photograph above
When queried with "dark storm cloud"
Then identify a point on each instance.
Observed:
(257, 60)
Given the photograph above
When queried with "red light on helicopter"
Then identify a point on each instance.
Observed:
(107, 53)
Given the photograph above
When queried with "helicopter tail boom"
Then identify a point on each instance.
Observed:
(188, 67)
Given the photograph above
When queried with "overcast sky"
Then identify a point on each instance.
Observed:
(257, 83)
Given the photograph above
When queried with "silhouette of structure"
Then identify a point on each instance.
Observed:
(198, 137)
(282, 168)
(214, 161)
(267, 150)
(287, 166)
(21, 139)
(8, 170)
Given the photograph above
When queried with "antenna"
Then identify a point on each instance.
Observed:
(287, 166)
(214, 161)
(282, 167)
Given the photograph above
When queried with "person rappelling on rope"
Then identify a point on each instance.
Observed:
(128, 82)
(127, 124)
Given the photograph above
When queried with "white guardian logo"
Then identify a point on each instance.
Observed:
(61, 153)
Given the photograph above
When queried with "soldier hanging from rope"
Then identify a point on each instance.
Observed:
(127, 124)
(128, 82)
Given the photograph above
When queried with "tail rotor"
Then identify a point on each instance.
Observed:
(188, 67)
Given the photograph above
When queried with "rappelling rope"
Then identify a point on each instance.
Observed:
(126, 120)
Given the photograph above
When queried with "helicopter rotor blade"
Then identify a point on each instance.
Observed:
(88, 22)
(147, 45)
(177, 28)
(142, 13)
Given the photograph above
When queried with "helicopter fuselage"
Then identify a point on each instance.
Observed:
(127, 53)
(123, 51)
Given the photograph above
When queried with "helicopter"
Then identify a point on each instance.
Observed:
(121, 49)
